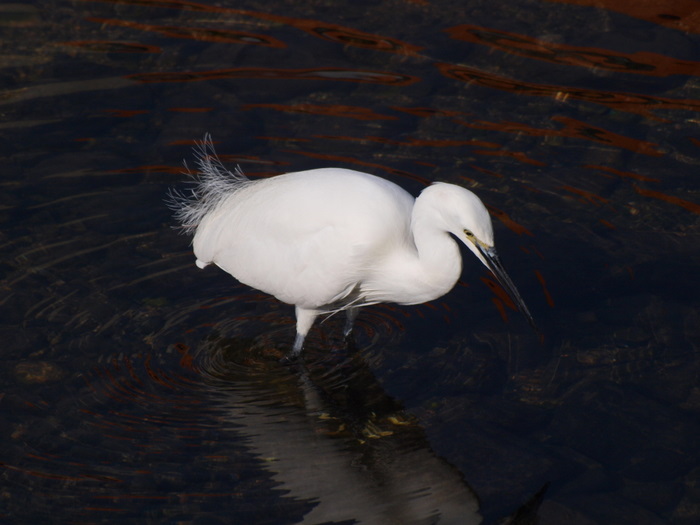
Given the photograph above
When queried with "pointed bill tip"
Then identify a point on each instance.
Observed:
(493, 263)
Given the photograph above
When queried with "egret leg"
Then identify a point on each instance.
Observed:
(351, 314)
(305, 318)
(298, 345)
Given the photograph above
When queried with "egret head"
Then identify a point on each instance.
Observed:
(464, 216)
(461, 213)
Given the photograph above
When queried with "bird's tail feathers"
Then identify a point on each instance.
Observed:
(212, 183)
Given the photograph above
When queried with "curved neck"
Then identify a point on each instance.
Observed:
(424, 268)
(438, 262)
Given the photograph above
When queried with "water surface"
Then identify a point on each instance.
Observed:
(139, 389)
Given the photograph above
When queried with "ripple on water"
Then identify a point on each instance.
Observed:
(169, 432)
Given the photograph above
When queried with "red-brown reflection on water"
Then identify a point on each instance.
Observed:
(508, 222)
(49, 462)
(431, 112)
(682, 15)
(170, 4)
(640, 62)
(190, 110)
(515, 155)
(126, 113)
(483, 170)
(572, 129)
(352, 37)
(629, 102)
(156, 168)
(228, 36)
(545, 290)
(586, 196)
(330, 74)
(498, 290)
(412, 142)
(620, 173)
(333, 32)
(688, 205)
(333, 110)
(106, 46)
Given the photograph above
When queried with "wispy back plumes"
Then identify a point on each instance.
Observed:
(213, 183)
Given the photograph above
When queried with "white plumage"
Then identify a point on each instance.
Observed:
(334, 239)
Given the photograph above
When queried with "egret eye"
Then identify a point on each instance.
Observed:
(469, 234)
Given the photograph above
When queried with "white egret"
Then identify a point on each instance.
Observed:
(333, 239)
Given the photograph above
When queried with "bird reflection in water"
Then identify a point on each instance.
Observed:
(329, 434)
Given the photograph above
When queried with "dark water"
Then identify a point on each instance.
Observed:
(136, 388)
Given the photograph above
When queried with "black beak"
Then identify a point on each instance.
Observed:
(493, 263)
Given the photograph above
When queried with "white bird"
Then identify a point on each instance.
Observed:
(333, 239)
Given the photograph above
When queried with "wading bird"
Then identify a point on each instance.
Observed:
(332, 239)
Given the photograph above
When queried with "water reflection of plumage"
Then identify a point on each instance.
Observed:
(334, 438)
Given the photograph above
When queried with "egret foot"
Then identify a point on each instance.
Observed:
(290, 359)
